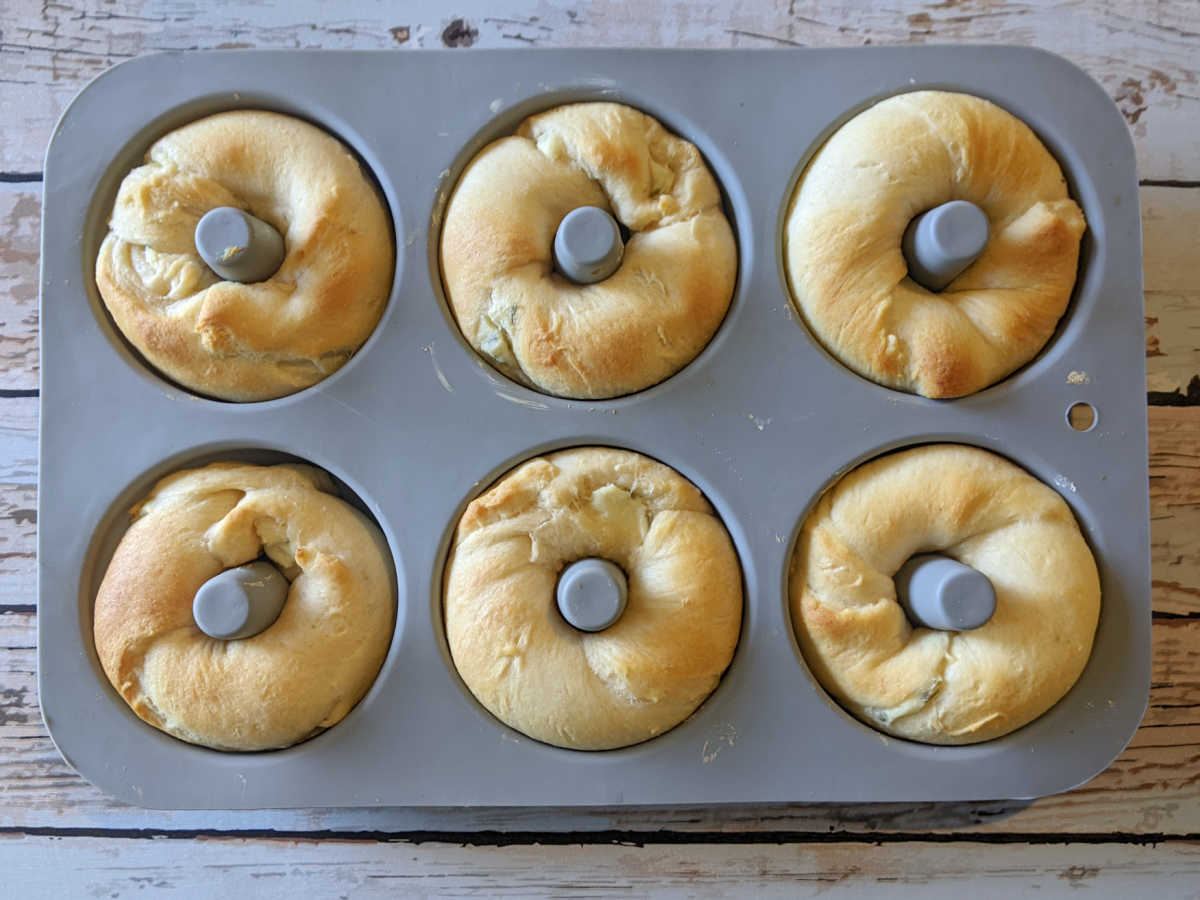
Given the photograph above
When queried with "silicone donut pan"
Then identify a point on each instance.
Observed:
(416, 425)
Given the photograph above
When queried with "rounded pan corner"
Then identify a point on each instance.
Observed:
(1070, 69)
(99, 84)
(98, 778)
(709, 465)
(1121, 734)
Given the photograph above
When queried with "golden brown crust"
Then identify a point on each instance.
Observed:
(300, 675)
(623, 334)
(847, 273)
(944, 687)
(247, 341)
(657, 663)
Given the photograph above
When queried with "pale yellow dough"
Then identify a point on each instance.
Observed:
(256, 341)
(944, 687)
(640, 325)
(639, 677)
(847, 217)
(299, 676)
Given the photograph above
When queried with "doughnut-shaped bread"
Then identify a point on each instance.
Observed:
(299, 676)
(239, 341)
(944, 687)
(847, 217)
(640, 325)
(650, 669)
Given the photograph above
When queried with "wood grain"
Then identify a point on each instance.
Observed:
(1144, 53)
(1175, 509)
(279, 868)
(1152, 788)
(1131, 830)
(1170, 260)
(18, 502)
(1171, 265)
(20, 233)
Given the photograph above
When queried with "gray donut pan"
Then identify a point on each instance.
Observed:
(416, 424)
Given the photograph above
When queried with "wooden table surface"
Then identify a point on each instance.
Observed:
(1134, 828)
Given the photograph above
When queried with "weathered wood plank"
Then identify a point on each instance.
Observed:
(1172, 343)
(1175, 508)
(1171, 243)
(1174, 504)
(18, 500)
(283, 869)
(1145, 54)
(1171, 262)
(1153, 787)
(20, 239)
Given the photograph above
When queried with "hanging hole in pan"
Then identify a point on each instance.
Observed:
(1082, 416)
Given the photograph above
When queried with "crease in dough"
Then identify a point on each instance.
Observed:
(275, 688)
(246, 342)
(847, 216)
(606, 339)
(642, 675)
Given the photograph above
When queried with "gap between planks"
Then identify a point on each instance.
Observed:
(661, 837)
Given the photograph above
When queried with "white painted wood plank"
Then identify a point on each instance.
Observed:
(1145, 53)
(1170, 262)
(18, 501)
(1152, 788)
(20, 242)
(42, 866)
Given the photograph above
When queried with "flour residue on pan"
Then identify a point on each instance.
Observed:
(725, 736)
(441, 376)
(1063, 483)
(441, 197)
(520, 401)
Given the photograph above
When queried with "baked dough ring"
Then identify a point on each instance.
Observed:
(247, 341)
(944, 687)
(300, 675)
(847, 272)
(640, 325)
(644, 674)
